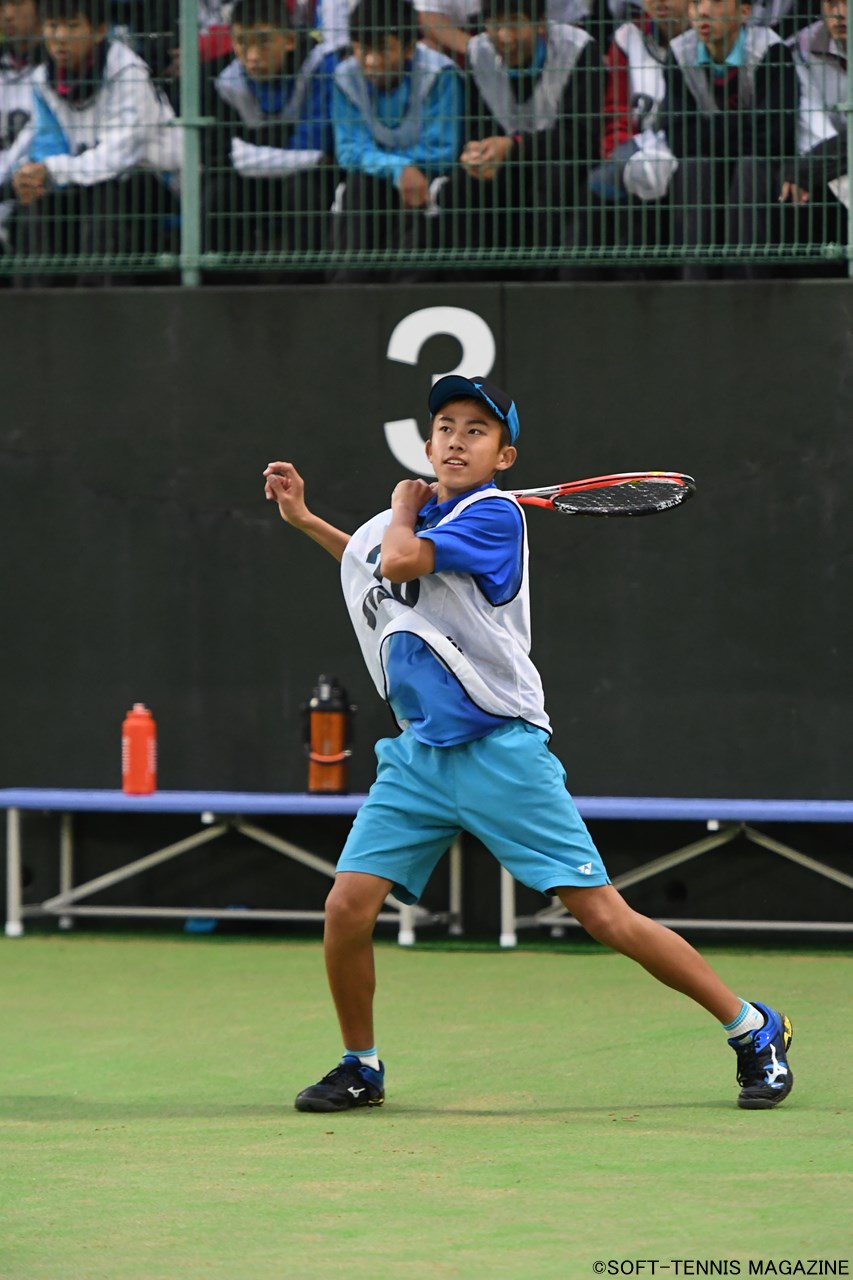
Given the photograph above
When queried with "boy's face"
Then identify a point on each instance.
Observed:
(718, 22)
(672, 15)
(835, 17)
(466, 447)
(383, 63)
(262, 49)
(514, 36)
(20, 20)
(72, 40)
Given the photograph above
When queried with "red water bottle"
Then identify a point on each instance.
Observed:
(327, 737)
(139, 752)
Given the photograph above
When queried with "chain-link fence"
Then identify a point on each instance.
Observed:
(313, 140)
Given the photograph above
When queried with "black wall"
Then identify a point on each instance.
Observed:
(702, 652)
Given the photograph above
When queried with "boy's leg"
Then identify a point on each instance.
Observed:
(606, 916)
(760, 1036)
(369, 207)
(306, 200)
(399, 834)
(560, 851)
(224, 211)
(47, 228)
(351, 910)
(698, 194)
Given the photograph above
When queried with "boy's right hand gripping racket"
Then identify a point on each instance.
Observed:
(630, 493)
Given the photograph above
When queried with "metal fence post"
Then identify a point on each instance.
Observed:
(191, 122)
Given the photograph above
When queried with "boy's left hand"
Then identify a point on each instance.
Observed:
(481, 160)
(413, 187)
(410, 495)
(790, 191)
(30, 182)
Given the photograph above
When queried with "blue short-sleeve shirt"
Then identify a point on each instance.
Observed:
(486, 540)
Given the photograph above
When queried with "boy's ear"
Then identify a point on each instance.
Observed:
(508, 455)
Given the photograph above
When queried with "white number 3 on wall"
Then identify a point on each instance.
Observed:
(478, 356)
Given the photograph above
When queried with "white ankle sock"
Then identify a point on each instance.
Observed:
(748, 1020)
(367, 1057)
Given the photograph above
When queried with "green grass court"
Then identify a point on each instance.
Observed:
(547, 1109)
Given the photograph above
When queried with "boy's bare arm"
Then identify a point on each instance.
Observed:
(405, 556)
(285, 486)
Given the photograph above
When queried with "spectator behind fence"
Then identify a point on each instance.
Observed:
(786, 17)
(269, 179)
(99, 151)
(20, 54)
(730, 117)
(396, 108)
(327, 20)
(817, 183)
(449, 25)
(532, 118)
(152, 29)
(626, 190)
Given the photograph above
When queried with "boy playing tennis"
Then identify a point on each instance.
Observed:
(437, 592)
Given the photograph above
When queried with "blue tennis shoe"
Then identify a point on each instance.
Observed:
(349, 1084)
(763, 1071)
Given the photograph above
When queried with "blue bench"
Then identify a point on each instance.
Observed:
(222, 811)
(724, 820)
(218, 813)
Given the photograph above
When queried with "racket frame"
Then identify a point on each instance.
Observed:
(542, 497)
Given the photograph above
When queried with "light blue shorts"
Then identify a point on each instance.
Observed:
(507, 789)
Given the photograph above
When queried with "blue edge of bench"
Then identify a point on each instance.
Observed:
(242, 803)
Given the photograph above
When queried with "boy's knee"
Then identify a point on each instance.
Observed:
(354, 902)
(602, 912)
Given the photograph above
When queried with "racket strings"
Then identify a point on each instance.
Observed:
(638, 497)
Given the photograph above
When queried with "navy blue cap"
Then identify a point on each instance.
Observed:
(453, 387)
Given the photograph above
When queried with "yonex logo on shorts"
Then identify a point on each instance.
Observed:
(586, 868)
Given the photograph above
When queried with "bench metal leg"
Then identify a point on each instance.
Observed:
(406, 932)
(106, 881)
(509, 938)
(559, 918)
(66, 862)
(801, 859)
(14, 924)
(67, 904)
(455, 926)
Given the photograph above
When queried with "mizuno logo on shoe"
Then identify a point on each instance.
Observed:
(586, 868)
(775, 1069)
(355, 1092)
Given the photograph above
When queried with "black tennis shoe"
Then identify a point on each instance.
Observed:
(349, 1084)
(762, 1062)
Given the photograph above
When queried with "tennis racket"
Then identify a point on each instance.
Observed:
(631, 493)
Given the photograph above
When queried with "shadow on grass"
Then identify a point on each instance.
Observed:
(66, 1107)
(626, 1112)
(41, 1108)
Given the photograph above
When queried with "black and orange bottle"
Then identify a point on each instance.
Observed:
(139, 751)
(328, 724)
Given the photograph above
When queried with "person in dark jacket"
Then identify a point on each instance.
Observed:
(270, 176)
(730, 118)
(817, 181)
(532, 119)
(396, 109)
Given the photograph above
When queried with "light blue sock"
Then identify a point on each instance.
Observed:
(748, 1020)
(367, 1057)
